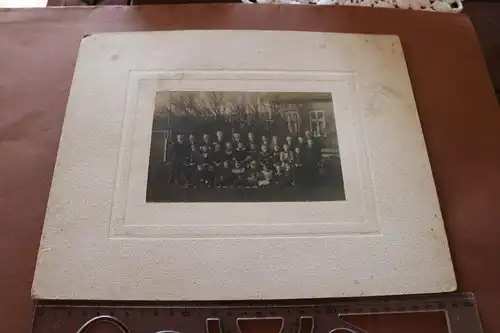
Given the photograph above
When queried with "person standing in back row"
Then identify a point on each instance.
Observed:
(180, 154)
(206, 142)
(192, 140)
(289, 142)
(236, 139)
(265, 142)
(220, 140)
(251, 140)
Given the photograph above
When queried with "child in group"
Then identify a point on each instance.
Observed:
(265, 157)
(252, 154)
(279, 176)
(275, 141)
(286, 155)
(252, 174)
(239, 174)
(265, 177)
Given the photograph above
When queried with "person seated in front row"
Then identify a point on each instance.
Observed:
(279, 176)
(224, 175)
(198, 178)
(239, 174)
(252, 174)
(265, 177)
(206, 158)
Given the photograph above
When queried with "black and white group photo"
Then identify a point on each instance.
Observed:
(211, 146)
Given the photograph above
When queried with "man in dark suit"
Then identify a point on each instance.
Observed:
(312, 157)
(180, 153)
(190, 165)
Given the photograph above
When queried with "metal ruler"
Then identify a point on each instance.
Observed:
(318, 316)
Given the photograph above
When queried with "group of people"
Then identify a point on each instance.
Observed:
(236, 162)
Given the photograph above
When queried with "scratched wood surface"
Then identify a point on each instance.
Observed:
(485, 16)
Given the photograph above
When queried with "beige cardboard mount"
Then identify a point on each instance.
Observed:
(102, 240)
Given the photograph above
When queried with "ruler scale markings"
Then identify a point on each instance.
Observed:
(459, 308)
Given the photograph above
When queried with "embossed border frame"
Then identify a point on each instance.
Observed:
(133, 217)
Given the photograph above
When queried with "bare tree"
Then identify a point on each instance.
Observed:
(215, 102)
(186, 102)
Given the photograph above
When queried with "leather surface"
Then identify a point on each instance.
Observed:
(457, 106)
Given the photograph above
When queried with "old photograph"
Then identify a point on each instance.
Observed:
(213, 146)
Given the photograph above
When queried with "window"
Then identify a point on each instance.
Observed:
(318, 123)
(292, 121)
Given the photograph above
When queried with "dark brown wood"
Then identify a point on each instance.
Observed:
(485, 16)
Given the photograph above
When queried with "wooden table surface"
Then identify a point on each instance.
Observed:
(484, 15)
(455, 98)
